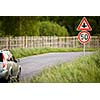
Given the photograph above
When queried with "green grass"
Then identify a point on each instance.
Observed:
(23, 52)
(85, 69)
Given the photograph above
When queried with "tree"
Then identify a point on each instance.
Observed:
(46, 28)
(9, 25)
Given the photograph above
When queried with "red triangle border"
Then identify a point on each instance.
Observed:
(86, 29)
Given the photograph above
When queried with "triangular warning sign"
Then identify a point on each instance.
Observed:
(84, 25)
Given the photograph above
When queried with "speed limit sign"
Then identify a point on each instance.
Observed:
(84, 36)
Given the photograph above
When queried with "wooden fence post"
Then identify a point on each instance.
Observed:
(6, 42)
(9, 42)
(26, 41)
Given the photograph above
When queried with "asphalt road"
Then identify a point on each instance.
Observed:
(32, 65)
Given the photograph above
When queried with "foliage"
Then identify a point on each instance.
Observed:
(27, 25)
(46, 28)
(9, 25)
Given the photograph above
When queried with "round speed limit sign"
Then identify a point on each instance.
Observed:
(84, 36)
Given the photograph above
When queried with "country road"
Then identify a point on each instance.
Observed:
(32, 65)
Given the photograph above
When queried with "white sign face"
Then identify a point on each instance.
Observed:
(84, 37)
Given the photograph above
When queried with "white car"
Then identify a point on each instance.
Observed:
(9, 67)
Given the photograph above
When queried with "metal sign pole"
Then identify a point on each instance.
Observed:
(84, 49)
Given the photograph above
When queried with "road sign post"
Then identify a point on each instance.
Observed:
(84, 49)
(84, 35)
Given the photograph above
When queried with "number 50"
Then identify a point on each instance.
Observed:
(84, 36)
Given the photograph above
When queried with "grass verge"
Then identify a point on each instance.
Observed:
(83, 70)
(23, 52)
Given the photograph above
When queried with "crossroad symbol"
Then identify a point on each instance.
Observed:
(84, 25)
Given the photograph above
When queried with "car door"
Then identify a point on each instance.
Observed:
(15, 68)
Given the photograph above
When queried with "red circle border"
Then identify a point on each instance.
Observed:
(88, 37)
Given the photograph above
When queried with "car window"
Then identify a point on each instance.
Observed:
(1, 60)
(7, 54)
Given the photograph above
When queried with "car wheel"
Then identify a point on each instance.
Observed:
(10, 80)
(19, 75)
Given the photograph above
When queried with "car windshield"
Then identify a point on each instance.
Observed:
(1, 60)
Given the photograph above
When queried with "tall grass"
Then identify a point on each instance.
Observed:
(23, 52)
(85, 69)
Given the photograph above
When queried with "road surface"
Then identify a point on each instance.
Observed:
(32, 65)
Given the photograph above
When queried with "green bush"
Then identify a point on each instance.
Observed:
(46, 28)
